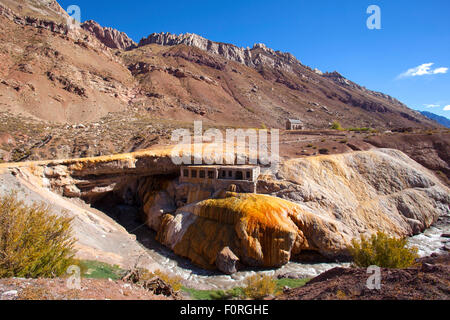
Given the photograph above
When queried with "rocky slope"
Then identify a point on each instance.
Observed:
(65, 92)
(74, 76)
(41, 9)
(56, 289)
(432, 149)
(55, 73)
(427, 281)
(108, 36)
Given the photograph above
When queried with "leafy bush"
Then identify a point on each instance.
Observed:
(259, 286)
(324, 151)
(173, 281)
(33, 242)
(336, 126)
(141, 275)
(383, 251)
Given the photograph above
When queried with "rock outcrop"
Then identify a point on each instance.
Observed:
(257, 56)
(49, 9)
(310, 206)
(377, 190)
(328, 201)
(42, 23)
(226, 261)
(110, 37)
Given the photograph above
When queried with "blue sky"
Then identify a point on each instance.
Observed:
(325, 34)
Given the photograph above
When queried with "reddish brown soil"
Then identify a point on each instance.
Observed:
(56, 289)
(428, 281)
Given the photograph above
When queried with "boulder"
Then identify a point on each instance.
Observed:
(226, 261)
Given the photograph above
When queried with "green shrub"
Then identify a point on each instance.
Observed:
(383, 251)
(173, 281)
(33, 242)
(337, 126)
(259, 286)
(141, 275)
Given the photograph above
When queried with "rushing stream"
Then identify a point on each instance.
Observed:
(427, 243)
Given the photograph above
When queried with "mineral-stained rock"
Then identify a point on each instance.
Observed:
(263, 231)
(312, 205)
(156, 202)
(226, 261)
(333, 199)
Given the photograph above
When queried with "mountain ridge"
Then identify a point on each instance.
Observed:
(182, 77)
(439, 119)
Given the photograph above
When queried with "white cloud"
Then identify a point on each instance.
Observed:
(440, 70)
(447, 108)
(423, 69)
(432, 105)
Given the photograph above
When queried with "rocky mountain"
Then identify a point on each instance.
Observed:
(64, 92)
(439, 119)
(42, 9)
(55, 74)
(254, 57)
(108, 36)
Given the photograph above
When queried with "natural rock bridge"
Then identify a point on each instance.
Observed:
(311, 205)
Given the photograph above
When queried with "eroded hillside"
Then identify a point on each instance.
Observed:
(71, 75)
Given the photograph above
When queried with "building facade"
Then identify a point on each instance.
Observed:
(294, 124)
(221, 177)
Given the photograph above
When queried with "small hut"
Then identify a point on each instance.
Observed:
(294, 124)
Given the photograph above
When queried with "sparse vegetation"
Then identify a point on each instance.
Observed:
(259, 286)
(238, 292)
(382, 251)
(141, 275)
(324, 151)
(359, 129)
(291, 283)
(173, 281)
(33, 242)
(337, 126)
(100, 270)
